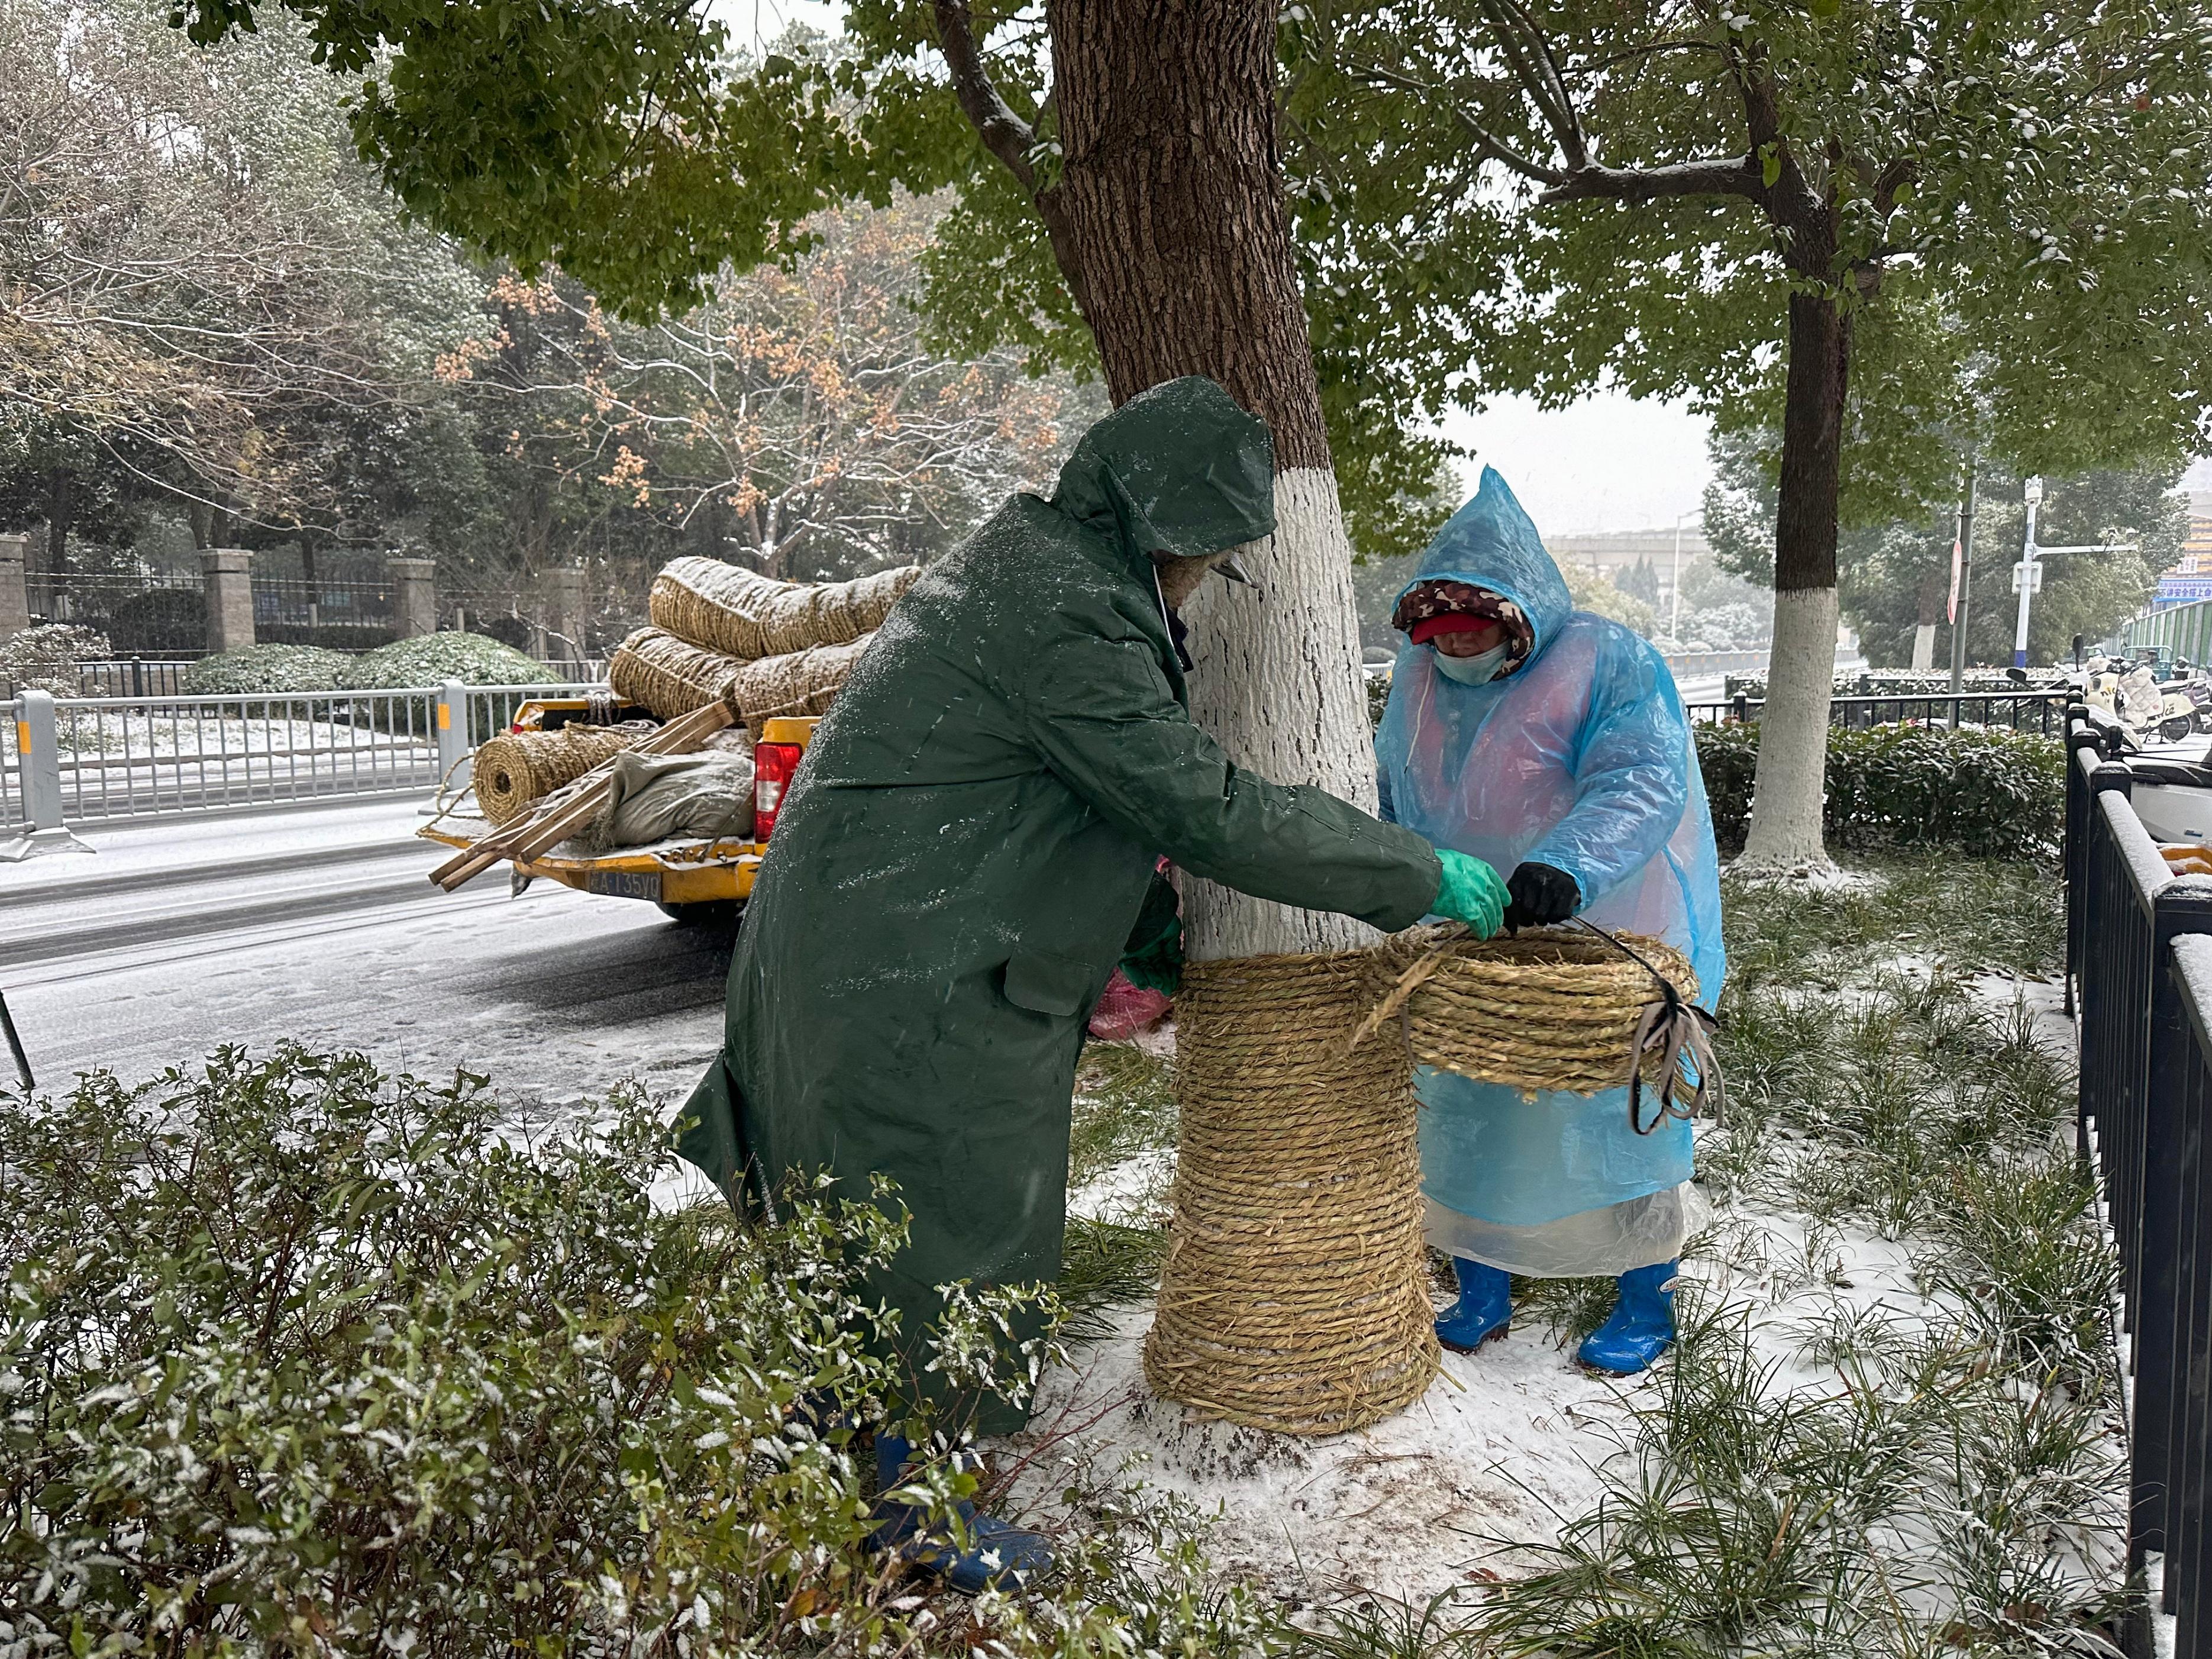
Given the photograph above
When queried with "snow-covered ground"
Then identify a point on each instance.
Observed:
(1508, 1444)
(320, 925)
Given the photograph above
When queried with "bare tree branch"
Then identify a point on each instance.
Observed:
(1737, 176)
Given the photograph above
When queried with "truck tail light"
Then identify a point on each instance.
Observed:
(773, 763)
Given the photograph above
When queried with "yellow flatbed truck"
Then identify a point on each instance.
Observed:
(691, 878)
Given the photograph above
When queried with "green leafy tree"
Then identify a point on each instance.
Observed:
(1808, 217)
(1117, 170)
(1894, 577)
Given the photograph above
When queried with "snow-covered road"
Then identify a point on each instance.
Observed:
(320, 924)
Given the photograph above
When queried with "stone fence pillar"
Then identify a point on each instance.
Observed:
(415, 598)
(226, 578)
(15, 588)
(565, 596)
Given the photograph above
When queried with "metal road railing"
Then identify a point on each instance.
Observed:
(86, 760)
(2020, 711)
(2139, 965)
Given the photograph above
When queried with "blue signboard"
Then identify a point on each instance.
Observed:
(2182, 590)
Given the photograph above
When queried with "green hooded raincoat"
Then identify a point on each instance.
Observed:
(969, 840)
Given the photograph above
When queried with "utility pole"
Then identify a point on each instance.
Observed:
(1962, 577)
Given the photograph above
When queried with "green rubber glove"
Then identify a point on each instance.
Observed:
(1472, 892)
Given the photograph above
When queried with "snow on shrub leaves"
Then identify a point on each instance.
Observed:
(46, 657)
(432, 658)
(297, 1358)
(1983, 791)
(257, 668)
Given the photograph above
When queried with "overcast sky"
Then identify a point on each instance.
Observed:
(1607, 463)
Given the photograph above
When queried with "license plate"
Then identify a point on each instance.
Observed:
(624, 883)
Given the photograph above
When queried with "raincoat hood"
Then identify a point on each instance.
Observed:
(1490, 543)
(1180, 469)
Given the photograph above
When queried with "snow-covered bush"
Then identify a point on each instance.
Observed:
(257, 668)
(432, 658)
(46, 657)
(297, 1358)
(1982, 791)
(1929, 683)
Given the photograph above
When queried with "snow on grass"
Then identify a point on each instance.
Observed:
(1888, 1426)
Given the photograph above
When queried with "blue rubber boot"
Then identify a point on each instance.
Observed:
(1483, 1311)
(1641, 1326)
(983, 1553)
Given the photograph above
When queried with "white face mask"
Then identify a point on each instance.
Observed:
(1478, 670)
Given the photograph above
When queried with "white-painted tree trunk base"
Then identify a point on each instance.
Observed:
(1924, 646)
(1277, 684)
(1793, 736)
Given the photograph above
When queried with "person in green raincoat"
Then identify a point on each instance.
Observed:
(961, 857)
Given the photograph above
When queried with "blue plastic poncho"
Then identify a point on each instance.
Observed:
(1581, 759)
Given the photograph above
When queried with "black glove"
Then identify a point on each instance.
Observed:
(1539, 895)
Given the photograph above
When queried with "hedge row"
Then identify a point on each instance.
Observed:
(1981, 791)
(1916, 683)
(427, 659)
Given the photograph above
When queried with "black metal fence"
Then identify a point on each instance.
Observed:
(2018, 711)
(2139, 979)
(129, 677)
(151, 611)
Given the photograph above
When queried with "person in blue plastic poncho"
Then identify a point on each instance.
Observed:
(1551, 742)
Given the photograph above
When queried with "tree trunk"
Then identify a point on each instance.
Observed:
(1784, 832)
(1171, 204)
(61, 515)
(1933, 589)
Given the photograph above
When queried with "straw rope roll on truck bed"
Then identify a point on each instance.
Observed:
(745, 614)
(671, 678)
(691, 877)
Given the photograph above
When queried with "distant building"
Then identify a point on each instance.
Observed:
(1608, 553)
(2189, 579)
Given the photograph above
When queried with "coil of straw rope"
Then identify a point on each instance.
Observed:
(1548, 1009)
(798, 682)
(671, 678)
(1294, 1296)
(512, 770)
(745, 614)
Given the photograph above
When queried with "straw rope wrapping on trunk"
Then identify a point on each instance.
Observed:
(744, 615)
(1546, 1009)
(515, 769)
(1294, 1292)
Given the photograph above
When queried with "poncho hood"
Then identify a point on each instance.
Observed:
(1492, 543)
(1180, 469)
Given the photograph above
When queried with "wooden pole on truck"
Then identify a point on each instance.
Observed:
(561, 816)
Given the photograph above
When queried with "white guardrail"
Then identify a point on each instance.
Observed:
(83, 760)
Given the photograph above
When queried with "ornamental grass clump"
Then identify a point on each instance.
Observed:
(298, 1357)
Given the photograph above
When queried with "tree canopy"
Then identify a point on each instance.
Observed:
(2008, 200)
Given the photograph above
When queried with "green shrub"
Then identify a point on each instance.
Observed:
(432, 658)
(298, 1358)
(46, 657)
(272, 668)
(160, 619)
(1981, 791)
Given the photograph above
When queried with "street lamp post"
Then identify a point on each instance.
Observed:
(1674, 594)
(1962, 580)
(2024, 573)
